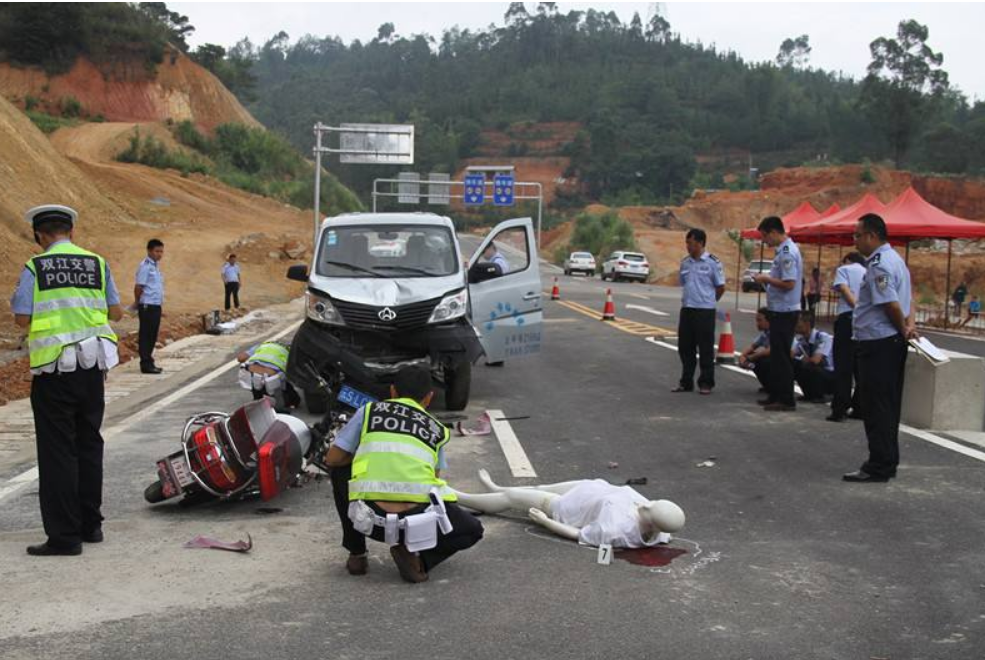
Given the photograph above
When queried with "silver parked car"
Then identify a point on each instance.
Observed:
(626, 265)
(755, 268)
(580, 262)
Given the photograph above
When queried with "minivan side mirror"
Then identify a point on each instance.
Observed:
(298, 272)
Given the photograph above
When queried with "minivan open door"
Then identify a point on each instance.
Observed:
(507, 309)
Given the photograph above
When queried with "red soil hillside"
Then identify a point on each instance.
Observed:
(180, 89)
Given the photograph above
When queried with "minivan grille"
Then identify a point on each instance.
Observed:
(400, 317)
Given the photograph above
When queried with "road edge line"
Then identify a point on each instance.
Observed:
(517, 459)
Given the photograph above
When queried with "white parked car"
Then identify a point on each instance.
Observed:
(580, 262)
(626, 265)
(755, 268)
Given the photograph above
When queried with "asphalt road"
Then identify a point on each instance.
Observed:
(783, 559)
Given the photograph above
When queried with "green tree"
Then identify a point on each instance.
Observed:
(178, 26)
(794, 52)
(904, 80)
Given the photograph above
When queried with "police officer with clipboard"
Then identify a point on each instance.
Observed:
(65, 298)
(883, 323)
(784, 284)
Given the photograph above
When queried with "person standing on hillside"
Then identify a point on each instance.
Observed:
(66, 297)
(148, 296)
(883, 323)
(784, 285)
(848, 281)
(702, 284)
(960, 293)
(232, 280)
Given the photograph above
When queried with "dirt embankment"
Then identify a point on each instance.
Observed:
(180, 89)
(121, 206)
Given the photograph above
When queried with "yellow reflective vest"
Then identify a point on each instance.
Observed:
(398, 454)
(69, 301)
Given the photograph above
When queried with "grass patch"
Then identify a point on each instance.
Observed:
(49, 123)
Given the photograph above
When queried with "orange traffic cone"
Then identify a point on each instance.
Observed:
(609, 311)
(726, 343)
(556, 291)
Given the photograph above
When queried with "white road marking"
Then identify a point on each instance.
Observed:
(20, 481)
(644, 308)
(916, 433)
(519, 464)
(29, 476)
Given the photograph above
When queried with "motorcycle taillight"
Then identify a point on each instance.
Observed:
(209, 460)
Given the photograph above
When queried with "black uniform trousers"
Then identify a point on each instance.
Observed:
(466, 532)
(352, 540)
(232, 291)
(150, 326)
(68, 412)
(815, 381)
(761, 368)
(781, 363)
(846, 368)
(880, 368)
(696, 336)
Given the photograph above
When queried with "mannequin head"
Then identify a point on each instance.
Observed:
(662, 515)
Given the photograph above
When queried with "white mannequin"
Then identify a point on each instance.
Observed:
(655, 520)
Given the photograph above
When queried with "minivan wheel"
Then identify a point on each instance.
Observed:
(315, 401)
(458, 383)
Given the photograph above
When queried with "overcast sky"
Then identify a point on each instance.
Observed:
(839, 32)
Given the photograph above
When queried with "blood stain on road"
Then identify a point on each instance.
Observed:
(656, 556)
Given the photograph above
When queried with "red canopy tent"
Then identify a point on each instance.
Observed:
(839, 227)
(831, 210)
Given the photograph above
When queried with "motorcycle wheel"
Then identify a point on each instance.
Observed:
(154, 493)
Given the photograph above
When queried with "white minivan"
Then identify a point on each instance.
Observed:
(387, 290)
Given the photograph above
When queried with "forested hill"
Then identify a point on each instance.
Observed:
(648, 102)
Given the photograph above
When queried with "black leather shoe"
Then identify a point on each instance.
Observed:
(357, 564)
(776, 406)
(861, 477)
(855, 415)
(681, 388)
(765, 402)
(95, 536)
(835, 417)
(151, 370)
(45, 550)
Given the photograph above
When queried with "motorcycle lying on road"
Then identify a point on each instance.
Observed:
(253, 451)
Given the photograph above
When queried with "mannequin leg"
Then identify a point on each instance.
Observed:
(558, 488)
(521, 499)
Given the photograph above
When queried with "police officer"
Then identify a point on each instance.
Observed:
(148, 297)
(848, 281)
(264, 373)
(784, 284)
(396, 453)
(703, 284)
(66, 297)
(231, 280)
(883, 322)
(813, 366)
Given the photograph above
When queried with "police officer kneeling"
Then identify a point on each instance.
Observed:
(395, 494)
(66, 297)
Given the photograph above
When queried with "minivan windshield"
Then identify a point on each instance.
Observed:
(392, 250)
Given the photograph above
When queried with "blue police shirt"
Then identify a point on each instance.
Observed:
(850, 275)
(788, 267)
(150, 277)
(22, 302)
(230, 272)
(500, 260)
(817, 342)
(699, 278)
(347, 439)
(887, 280)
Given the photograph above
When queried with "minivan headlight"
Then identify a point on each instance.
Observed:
(451, 307)
(320, 308)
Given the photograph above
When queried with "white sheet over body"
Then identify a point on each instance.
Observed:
(605, 514)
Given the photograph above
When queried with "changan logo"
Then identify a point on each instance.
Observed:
(387, 314)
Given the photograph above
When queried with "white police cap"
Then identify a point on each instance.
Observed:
(51, 212)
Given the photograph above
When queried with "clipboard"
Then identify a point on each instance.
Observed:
(929, 351)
